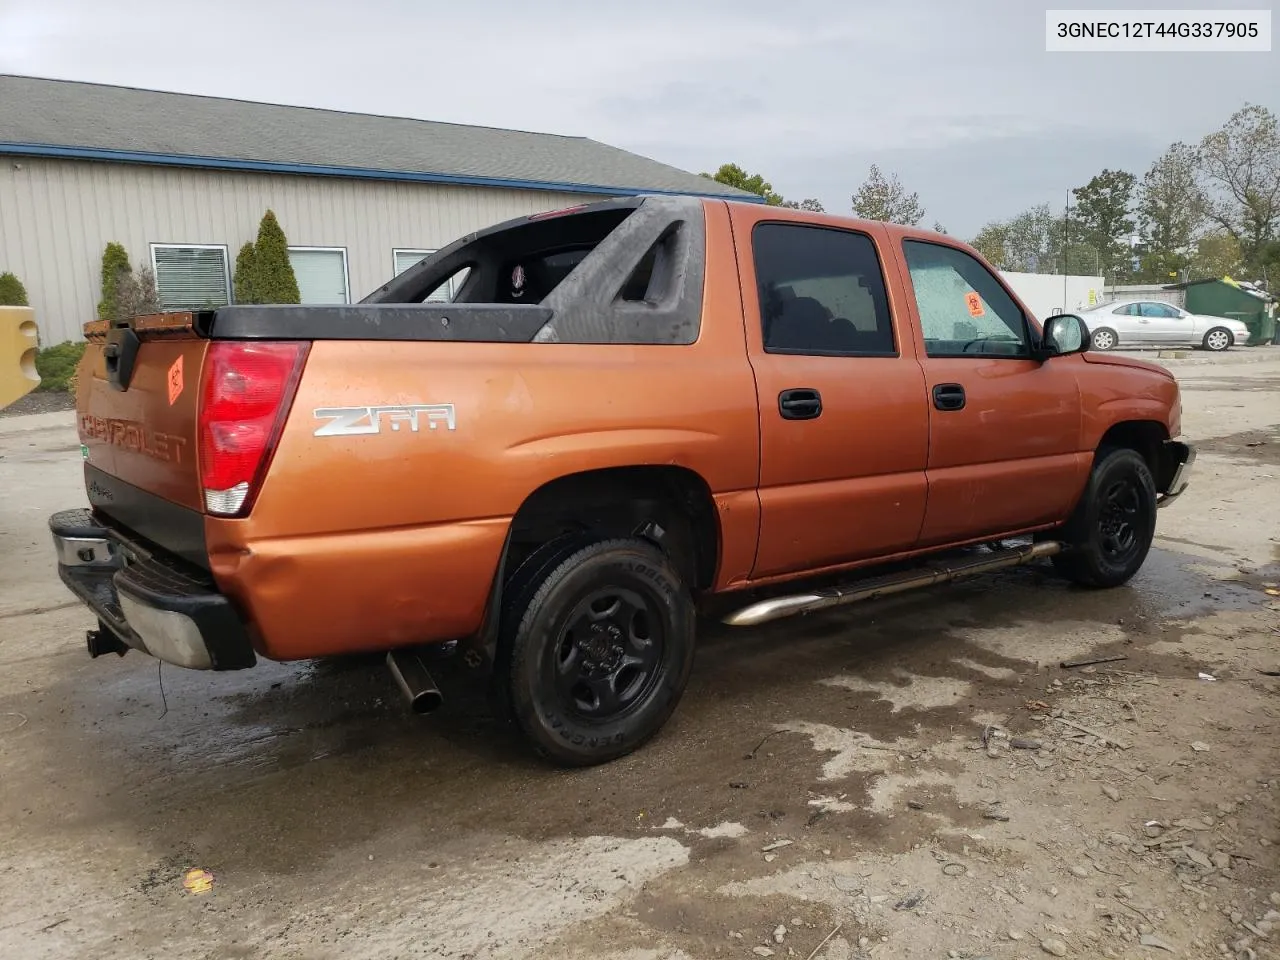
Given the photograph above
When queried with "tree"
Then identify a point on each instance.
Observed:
(1033, 241)
(136, 294)
(1102, 220)
(115, 264)
(12, 292)
(1171, 210)
(1240, 165)
(1269, 264)
(1217, 255)
(810, 204)
(733, 175)
(242, 280)
(272, 279)
(938, 227)
(992, 242)
(885, 198)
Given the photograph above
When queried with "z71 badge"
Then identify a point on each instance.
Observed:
(359, 421)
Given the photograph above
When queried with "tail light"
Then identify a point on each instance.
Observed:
(247, 389)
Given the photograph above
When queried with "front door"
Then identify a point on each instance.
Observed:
(844, 427)
(1004, 429)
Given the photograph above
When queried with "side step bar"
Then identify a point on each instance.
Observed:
(926, 576)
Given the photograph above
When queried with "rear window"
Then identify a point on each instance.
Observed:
(522, 263)
(628, 270)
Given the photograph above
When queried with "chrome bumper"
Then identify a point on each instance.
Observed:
(1184, 455)
(151, 602)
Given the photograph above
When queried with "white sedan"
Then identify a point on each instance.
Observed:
(1148, 323)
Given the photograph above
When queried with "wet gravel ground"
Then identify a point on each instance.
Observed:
(818, 775)
(42, 401)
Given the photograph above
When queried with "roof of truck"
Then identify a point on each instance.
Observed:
(90, 121)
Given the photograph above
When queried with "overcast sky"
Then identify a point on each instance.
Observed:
(957, 96)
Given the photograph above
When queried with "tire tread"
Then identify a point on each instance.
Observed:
(519, 652)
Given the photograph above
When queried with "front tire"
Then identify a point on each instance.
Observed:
(1110, 533)
(1218, 339)
(1104, 338)
(600, 652)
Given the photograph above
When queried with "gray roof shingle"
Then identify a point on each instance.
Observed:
(66, 118)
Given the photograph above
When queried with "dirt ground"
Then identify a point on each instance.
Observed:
(914, 778)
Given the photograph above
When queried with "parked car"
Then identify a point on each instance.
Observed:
(632, 410)
(1148, 323)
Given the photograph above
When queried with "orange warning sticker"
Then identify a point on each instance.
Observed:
(175, 380)
(974, 303)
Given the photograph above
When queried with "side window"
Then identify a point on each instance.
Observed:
(1128, 310)
(821, 292)
(964, 311)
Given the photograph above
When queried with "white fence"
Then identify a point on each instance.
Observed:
(1046, 293)
(1148, 291)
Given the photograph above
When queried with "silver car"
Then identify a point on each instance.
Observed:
(1154, 323)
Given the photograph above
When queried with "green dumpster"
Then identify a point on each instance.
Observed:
(1226, 298)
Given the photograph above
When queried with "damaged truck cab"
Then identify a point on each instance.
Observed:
(629, 409)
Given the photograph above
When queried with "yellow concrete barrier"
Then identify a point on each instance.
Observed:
(18, 341)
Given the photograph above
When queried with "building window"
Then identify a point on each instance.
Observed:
(191, 276)
(321, 273)
(403, 259)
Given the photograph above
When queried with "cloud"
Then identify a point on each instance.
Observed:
(960, 99)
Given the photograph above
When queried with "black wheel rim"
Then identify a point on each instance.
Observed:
(1121, 520)
(608, 655)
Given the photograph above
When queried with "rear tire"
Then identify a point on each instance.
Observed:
(599, 651)
(1218, 339)
(1104, 338)
(1110, 533)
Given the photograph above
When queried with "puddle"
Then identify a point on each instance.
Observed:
(911, 692)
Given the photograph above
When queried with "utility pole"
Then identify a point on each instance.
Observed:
(1066, 243)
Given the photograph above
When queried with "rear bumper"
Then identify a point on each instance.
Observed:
(1180, 457)
(155, 603)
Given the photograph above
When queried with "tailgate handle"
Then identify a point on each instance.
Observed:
(120, 354)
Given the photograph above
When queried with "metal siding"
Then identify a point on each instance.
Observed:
(57, 215)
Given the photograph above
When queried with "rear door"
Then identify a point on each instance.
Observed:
(843, 422)
(1004, 429)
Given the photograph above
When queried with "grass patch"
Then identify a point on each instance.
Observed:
(57, 365)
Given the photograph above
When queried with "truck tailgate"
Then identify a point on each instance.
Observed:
(137, 410)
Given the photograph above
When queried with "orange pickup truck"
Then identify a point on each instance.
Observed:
(630, 409)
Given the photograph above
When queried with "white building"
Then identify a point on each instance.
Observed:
(183, 181)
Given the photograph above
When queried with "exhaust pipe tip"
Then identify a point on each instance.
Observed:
(414, 681)
(426, 701)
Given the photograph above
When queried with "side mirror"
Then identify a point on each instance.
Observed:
(1064, 334)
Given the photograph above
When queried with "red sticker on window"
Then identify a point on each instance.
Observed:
(974, 303)
(175, 380)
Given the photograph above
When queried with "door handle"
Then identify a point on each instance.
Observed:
(801, 403)
(948, 396)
